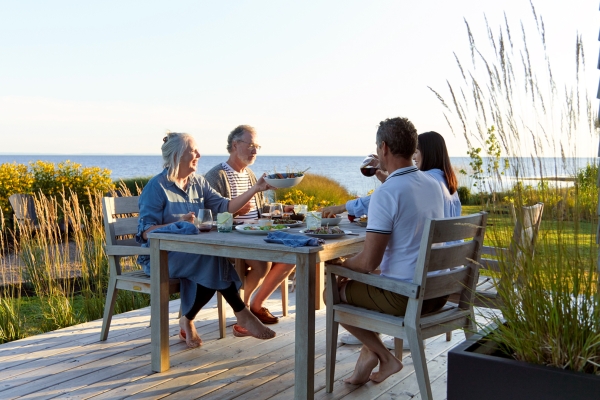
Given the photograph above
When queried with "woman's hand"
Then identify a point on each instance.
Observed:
(331, 211)
(189, 217)
(381, 175)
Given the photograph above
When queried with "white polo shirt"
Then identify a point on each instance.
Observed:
(399, 208)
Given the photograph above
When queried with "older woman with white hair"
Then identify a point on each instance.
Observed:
(174, 195)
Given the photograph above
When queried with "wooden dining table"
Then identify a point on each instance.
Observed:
(252, 246)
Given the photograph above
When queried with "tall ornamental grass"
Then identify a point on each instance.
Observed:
(65, 271)
(550, 314)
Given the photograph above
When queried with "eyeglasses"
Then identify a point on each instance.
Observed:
(251, 146)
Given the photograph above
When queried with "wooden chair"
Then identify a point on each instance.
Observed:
(120, 225)
(415, 327)
(527, 225)
(25, 214)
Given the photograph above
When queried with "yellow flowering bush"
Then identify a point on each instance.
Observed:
(51, 180)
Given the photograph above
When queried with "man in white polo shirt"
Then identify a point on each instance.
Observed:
(232, 178)
(397, 213)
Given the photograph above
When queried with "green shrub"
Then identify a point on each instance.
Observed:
(464, 194)
(134, 185)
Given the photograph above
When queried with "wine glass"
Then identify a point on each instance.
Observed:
(370, 165)
(276, 210)
(204, 220)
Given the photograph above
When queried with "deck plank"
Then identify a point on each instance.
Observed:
(72, 363)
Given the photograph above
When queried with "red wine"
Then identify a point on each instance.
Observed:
(368, 170)
(204, 228)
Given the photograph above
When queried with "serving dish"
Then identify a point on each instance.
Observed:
(331, 221)
(281, 181)
(326, 235)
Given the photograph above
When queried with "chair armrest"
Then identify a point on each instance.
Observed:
(407, 289)
(494, 251)
(126, 250)
(491, 265)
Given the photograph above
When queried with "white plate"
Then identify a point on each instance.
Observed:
(325, 235)
(283, 183)
(331, 221)
(240, 229)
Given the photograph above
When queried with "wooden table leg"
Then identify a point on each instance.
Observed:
(159, 307)
(305, 326)
(319, 286)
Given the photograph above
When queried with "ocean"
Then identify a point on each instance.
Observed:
(343, 169)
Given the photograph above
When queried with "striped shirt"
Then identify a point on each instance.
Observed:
(240, 183)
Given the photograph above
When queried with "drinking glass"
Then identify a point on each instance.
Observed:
(300, 209)
(276, 210)
(224, 222)
(204, 220)
(313, 220)
(370, 165)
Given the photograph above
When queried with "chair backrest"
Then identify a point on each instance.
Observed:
(527, 226)
(120, 220)
(457, 263)
(23, 207)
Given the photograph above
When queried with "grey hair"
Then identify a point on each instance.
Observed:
(400, 135)
(237, 134)
(175, 144)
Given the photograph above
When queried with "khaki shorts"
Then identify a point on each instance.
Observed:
(373, 298)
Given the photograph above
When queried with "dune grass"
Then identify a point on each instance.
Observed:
(315, 191)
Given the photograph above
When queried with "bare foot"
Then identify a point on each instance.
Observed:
(365, 364)
(253, 325)
(389, 366)
(189, 333)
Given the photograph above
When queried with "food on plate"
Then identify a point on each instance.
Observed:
(297, 217)
(287, 221)
(325, 231)
(264, 228)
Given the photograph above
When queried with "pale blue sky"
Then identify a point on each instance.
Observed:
(314, 78)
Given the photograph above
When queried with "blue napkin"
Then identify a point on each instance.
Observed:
(179, 227)
(291, 240)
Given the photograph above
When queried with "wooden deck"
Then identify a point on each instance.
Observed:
(72, 363)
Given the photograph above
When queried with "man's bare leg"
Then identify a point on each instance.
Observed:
(388, 363)
(248, 321)
(278, 272)
(254, 277)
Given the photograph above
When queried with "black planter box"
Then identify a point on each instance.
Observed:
(475, 373)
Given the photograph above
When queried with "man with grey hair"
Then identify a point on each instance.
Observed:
(397, 214)
(232, 178)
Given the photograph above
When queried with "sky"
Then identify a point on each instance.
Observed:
(313, 77)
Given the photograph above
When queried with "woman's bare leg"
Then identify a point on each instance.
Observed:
(191, 335)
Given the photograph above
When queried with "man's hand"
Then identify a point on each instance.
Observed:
(262, 185)
(244, 210)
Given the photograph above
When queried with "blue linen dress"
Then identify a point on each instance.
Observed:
(163, 202)
(452, 206)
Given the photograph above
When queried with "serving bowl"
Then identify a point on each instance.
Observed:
(283, 183)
